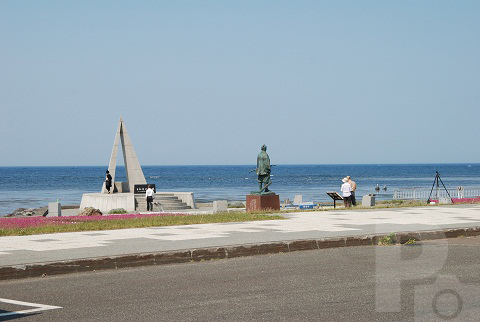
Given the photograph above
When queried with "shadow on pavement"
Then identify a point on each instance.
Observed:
(11, 315)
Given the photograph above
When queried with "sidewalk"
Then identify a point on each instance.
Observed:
(22, 256)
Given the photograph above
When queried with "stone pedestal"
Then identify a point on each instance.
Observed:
(263, 202)
(54, 209)
(220, 206)
(107, 202)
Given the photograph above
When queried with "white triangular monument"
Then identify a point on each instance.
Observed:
(132, 166)
(124, 192)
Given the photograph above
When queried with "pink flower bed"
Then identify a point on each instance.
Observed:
(461, 200)
(26, 222)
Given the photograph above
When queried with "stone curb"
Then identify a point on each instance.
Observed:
(202, 254)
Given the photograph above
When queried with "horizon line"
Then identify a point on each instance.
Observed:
(244, 164)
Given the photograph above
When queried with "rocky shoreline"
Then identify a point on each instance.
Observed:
(42, 211)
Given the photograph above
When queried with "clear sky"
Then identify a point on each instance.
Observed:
(209, 82)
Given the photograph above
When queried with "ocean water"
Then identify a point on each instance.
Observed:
(30, 187)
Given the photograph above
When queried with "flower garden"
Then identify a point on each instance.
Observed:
(46, 225)
(39, 221)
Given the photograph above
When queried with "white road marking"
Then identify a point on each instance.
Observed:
(37, 307)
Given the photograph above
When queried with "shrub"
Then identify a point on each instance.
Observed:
(411, 241)
(388, 240)
(117, 211)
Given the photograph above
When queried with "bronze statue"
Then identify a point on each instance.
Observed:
(263, 171)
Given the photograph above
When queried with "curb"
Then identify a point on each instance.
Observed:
(202, 254)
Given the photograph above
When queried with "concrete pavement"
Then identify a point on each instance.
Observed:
(23, 256)
(338, 284)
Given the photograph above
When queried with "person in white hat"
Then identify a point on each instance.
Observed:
(353, 184)
(346, 190)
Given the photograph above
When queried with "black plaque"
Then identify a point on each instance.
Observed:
(335, 196)
(142, 188)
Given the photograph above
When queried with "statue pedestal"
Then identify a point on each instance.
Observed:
(263, 202)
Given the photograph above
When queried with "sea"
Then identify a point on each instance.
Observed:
(31, 187)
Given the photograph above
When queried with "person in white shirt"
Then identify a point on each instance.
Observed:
(149, 195)
(346, 190)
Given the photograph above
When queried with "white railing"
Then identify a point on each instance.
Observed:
(423, 194)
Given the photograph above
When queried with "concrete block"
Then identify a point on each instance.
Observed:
(130, 203)
(368, 200)
(107, 202)
(220, 206)
(297, 199)
(54, 209)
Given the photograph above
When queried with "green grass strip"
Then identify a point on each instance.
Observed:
(138, 223)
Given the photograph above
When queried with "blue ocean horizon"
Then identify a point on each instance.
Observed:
(35, 186)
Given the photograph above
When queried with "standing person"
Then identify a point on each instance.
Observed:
(149, 195)
(346, 190)
(353, 185)
(108, 181)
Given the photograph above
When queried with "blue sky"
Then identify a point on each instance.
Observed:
(209, 82)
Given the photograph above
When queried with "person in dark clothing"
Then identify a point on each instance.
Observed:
(108, 181)
(353, 185)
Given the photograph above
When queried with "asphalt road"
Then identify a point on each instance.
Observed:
(342, 284)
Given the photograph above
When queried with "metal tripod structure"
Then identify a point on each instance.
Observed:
(436, 183)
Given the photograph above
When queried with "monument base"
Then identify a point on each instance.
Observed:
(130, 201)
(107, 202)
(268, 193)
(263, 202)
